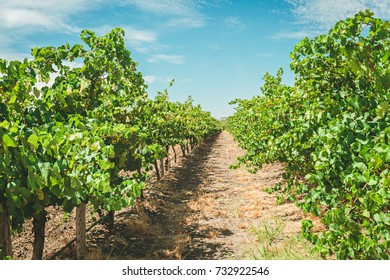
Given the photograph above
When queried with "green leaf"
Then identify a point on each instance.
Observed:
(33, 141)
(74, 136)
(13, 129)
(32, 180)
(45, 170)
(3, 65)
(383, 108)
(4, 124)
(83, 85)
(105, 165)
(377, 218)
(76, 183)
(8, 141)
(40, 194)
(382, 218)
(37, 92)
(13, 98)
(96, 146)
(355, 66)
(360, 166)
(69, 89)
(34, 51)
(366, 213)
(56, 190)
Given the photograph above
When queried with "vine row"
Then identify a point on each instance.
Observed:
(331, 130)
(72, 119)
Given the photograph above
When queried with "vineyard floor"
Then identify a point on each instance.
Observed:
(200, 210)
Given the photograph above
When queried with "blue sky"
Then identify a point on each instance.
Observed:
(216, 50)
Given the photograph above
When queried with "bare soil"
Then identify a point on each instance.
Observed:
(201, 209)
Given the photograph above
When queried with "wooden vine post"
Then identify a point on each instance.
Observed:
(39, 223)
(157, 171)
(188, 146)
(161, 161)
(80, 231)
(5, 232)
(142, 191)
(174, 152)
(167, 164)
(183, 150)
(111, 219)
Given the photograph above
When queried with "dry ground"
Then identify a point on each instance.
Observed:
(200, 210)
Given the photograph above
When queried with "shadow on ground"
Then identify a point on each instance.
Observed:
(163, 225)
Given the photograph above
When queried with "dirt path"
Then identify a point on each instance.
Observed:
(200, 210)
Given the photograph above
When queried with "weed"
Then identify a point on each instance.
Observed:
(273, 245)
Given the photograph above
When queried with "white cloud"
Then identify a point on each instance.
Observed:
(166, 7)
(12, 55)
(174, 59)
(234, 22)
(314, 17)
(27, 15)
(141, 40)
(23, 17)
(132, 34)
(136, 35)
(324, 14)
(151, 79)
(186, 22)
(294, 34)
(48, 5)
(74, 64)
(180, 13)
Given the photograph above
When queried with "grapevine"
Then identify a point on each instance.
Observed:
(331, 130)
(65, 143)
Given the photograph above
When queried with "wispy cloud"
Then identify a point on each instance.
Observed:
(27, 15)
(294, 34)
(174, 59)
(165, 7)
(151, 79)
(138, 39)
(178, 13)
(24, 17)
(21, 17)
(12, 55)
(132, 33)
(52, 5)
(313, 17)
(234, 23)
(136, 35)
(324, 14)
(192, 22)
